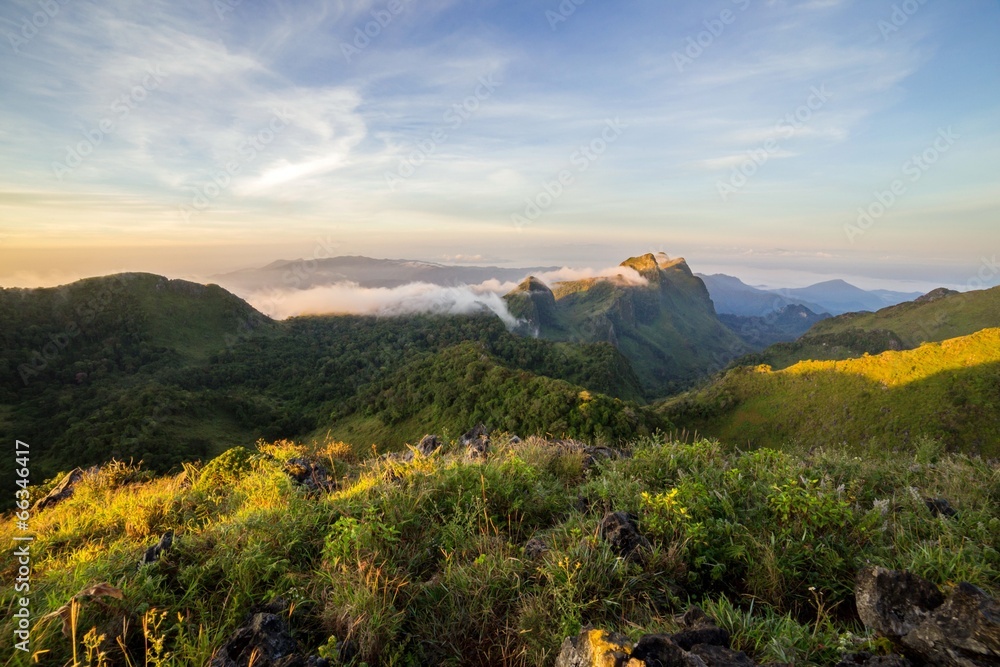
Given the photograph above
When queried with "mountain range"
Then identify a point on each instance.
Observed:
(729, 294)
(365, 272)
(734, 297)
(139, 366)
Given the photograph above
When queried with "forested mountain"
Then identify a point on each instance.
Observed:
(664, 323)
(138, 366)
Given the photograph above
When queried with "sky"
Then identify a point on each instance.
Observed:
(781, 141)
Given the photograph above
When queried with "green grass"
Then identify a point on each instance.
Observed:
(948, 391)
(424, 562)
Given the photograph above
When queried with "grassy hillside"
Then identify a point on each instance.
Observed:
(449, 562)
(937, 316)
(948, 390)
(667, 328)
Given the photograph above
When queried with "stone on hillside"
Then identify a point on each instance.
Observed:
(263, 642)
(310, 474)
(660, 650)
(594, 648)
(534, 548)
(940, 507)
(893, 603)
(476, 443)
(962, 629)
(478, 432)
(63, 490)
(720, 656)
(428, 444)
(865, 659)
(620, 531)
(153, 553)
(700, 629)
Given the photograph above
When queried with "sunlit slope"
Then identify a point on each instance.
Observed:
(949, 390)
(936, 316)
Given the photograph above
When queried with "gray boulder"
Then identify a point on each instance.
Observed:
(962, 629)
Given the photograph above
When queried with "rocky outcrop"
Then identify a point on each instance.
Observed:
(940, 507)
(619, 529)
(263, 642)
(594, 647)
(153, 553)
(476, 442)
(960, 629)
(310, 474)
(63, 490)
(700, 643)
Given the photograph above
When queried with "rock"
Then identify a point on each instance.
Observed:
(534, 548)
(961, 630)
(865, 659)
(964, 631)
(894, 603)
(153, 553)
(720, 656)
(478, 432)
(940, 507)
(309, 474)
(591, 453)
(620, 531)
(265, 640)
(660, 650)
(700, 629)
(63, 490)
(428, 444)
(476, 443)
(594, 648)
(478, 450)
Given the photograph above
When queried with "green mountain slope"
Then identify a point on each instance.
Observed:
(936, 316)
(169, 371)
(465, 384)
(948, 390)
(667, 328)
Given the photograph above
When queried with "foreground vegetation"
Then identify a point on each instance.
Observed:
(425, 562)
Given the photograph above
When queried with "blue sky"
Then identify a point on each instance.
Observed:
(191, 137)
